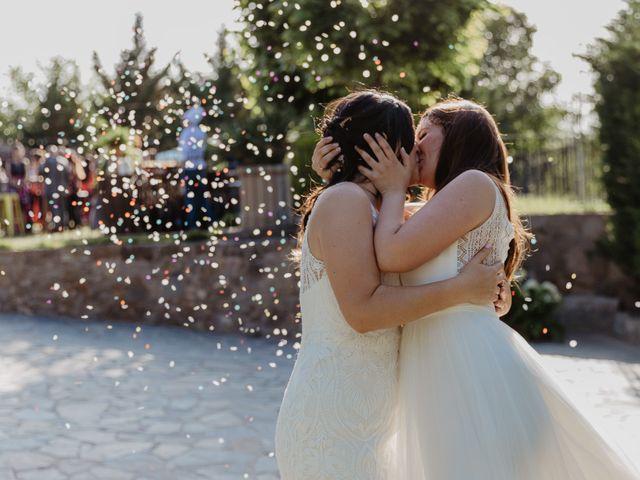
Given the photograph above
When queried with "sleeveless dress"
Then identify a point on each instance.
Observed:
(475, 402)
(336, 420)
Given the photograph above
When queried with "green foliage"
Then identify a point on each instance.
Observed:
(47, 112)
(558, 205)
(300, 55)
(227, 118)
(7, 129)
(511, 81)
(616, 63)
(532, 312)
(86, 237)
(136, 94)
(289, 60)
(114, 142)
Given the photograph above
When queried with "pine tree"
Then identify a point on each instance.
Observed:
(47, 112)
(135, 93)
(227, 116)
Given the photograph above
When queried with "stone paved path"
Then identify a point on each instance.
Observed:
(80, 400)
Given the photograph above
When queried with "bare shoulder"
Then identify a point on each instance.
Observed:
(343, 198)
(474, 185)
(476, 180)
(341, 216)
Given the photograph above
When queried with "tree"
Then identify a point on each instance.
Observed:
(7, 129)
(616, 64)
(303, 54)
(47, 112)
(227, 118)
(14, 109)
(511, 81)
(135, 93)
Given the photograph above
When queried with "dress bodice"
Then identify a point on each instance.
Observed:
(496, 229)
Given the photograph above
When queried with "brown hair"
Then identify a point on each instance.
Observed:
(347, 119)
(472, 141)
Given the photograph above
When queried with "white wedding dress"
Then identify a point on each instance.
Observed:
(475, 402)
(336, 420)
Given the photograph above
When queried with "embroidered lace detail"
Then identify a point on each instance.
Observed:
(311, 269)
(497, 229)
(337, 418)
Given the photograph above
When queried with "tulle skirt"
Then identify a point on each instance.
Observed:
(477, 404)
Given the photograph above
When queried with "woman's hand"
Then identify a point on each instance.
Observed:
(387, 174)
(323, 154)
(503, 303)
(480, 283)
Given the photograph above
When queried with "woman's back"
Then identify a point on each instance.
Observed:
(336, 419)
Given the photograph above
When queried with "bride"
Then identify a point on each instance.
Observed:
(337, 418)
(474, 399)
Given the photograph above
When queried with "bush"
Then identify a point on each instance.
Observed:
(532, 312)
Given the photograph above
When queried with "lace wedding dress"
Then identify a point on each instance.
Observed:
(337, 417)
(475, 402)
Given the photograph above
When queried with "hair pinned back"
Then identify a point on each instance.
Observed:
(346, 120)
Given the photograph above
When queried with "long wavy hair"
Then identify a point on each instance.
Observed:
(472, 141)
(346, 120)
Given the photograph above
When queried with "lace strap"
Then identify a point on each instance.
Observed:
(499, 207)
(496, 229)
(311, 269)
(500, 211)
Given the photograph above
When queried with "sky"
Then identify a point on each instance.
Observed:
(565, 28)
(36, 30)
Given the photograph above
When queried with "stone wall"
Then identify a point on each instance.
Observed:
(236, 284)
(566, 252)
(249, 283)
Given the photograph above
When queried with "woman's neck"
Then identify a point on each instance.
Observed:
(372, 193)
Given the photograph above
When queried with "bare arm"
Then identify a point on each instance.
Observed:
(343, 239)
(465, 203)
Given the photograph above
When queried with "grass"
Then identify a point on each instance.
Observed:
(548, 205)
(50, 241)
(527, 205)
(86, 237)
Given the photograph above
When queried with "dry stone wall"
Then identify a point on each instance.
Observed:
(236, 284)
(246, 284)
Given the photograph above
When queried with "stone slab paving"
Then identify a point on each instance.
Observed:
(87, 400)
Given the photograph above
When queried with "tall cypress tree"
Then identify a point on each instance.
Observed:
(616, 63)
